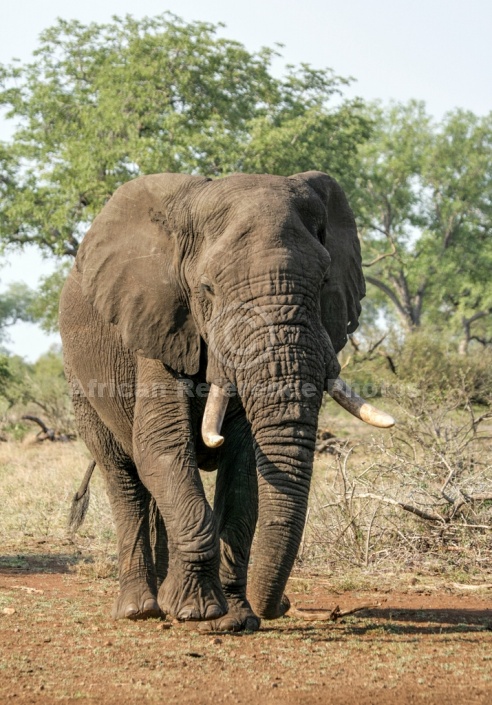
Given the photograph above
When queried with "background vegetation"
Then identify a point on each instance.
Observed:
(101, 104)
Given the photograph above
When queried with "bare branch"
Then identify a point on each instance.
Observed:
(36, 419)
(377, 344)
(428, 516)
(381, 257)
(391, 295)
(327, 615)
(477, 497)
(478, 315)
(451, 473)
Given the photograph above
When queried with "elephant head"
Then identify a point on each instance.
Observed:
(259, 280)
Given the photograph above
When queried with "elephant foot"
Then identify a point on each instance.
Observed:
(196, 597)
(134, 604)
(240, 617)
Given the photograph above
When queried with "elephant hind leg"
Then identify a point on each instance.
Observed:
(142, 547)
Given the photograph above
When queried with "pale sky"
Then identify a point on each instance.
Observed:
(439, 51)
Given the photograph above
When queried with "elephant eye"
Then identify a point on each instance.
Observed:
(321, 233)
(207, 288)
(326, 275)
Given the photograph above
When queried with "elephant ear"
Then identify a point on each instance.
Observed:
(342, 293)
(130, 265)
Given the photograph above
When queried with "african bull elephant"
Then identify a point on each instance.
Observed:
(248, 284)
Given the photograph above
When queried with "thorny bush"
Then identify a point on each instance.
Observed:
(419, 497)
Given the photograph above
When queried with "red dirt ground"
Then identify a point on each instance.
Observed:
(424, 644)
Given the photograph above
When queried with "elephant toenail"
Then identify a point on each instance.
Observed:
(131, 611)
(151, 605)
(188, 613)
(213, 612)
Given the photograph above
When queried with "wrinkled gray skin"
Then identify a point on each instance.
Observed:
(227, 282)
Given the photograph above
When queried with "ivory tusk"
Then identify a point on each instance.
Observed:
(357, 406)
(213, 417)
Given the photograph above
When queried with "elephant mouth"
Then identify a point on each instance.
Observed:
(339, 390)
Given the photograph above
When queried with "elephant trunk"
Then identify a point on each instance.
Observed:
(284, 458)
(282, 406)
(283, 489)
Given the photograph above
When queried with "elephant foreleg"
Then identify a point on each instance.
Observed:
(165, 456)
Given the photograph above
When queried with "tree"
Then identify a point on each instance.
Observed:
(457, 240)
(44, 306)
(102, 104)
(38, 389)
(15, 382)
(15, 305)
(389, 207)
(425, 199)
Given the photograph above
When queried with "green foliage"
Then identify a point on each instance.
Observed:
(16, 430)
(368, 379)
(425, 206)
(44, 307)
(425, 363)
(39, 389)
(102, 104)
(14, 385)
(432, 365)
(49, 390)
(15, 305)
(456, 242)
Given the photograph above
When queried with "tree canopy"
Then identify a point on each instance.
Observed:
(16, 304)
(102, 104)
(425, 209)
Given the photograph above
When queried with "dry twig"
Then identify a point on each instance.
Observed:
(309, 615)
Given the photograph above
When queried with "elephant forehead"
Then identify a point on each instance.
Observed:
(240, 203)
(284, 253)
(270, 274)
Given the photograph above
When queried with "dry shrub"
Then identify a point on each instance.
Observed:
(432, 365)
(38, 389)
(420, 496)
(425, 361)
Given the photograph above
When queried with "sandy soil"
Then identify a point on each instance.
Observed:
(420, 643)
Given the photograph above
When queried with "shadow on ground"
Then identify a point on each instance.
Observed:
(31, 563)
(401, 622)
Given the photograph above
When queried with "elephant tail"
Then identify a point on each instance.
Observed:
(80, 501)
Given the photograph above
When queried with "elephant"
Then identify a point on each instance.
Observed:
(201, 324)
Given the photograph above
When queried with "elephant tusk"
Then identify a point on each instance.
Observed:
(213, 416)
(357, 406)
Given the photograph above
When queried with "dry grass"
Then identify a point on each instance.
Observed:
(357, 528)
(37, 482)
